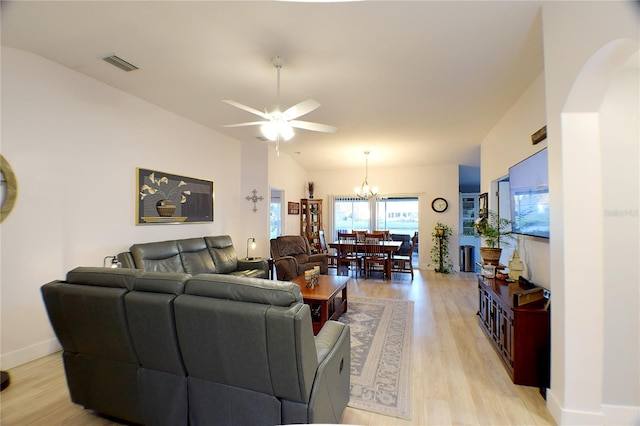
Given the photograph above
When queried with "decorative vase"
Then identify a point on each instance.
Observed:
(491, 255)
(515, 266)
(165, 208)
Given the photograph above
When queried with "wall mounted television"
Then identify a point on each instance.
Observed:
(529, 190)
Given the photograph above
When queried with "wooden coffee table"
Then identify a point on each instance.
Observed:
(327, 300)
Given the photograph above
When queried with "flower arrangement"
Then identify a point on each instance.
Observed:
(156, 185)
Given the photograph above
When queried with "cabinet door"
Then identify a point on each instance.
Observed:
(494, 319)
(484, 307)
(506, 341)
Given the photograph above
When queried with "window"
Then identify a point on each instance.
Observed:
(350, 214)
(275, 213)
(397, 214)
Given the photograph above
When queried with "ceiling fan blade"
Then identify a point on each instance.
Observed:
(300, 109)
(248, 123)
(316, 127)
(247, 108)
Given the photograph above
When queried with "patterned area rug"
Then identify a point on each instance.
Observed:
(381, 336)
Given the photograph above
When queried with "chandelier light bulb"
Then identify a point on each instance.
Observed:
(365, 191)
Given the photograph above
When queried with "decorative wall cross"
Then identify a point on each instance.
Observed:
(255, 198)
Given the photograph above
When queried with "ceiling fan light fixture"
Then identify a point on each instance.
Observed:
(275, 128)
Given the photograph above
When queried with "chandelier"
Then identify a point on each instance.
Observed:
(366, 191)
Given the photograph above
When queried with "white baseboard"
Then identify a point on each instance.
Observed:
(610, 414)
(30, 353)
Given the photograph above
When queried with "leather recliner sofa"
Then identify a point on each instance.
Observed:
(292, 256)
(173, 349)
(206, 255)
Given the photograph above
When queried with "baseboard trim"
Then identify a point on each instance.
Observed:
(610, 414)
(30, 353)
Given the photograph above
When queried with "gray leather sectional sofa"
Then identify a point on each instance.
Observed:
(174, 349)
(205, 255)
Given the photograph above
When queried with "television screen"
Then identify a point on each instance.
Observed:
(529, 188)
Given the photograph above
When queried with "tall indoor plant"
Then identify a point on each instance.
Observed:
(494, 231)
(440, 251)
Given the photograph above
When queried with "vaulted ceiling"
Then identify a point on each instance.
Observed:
(416, 83)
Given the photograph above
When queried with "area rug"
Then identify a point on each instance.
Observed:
(381, 336)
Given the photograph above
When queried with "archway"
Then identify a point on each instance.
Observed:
(600, 203)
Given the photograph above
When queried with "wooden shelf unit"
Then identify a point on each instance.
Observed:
(519, 334)
(311, 222)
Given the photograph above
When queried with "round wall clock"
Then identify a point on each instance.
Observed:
(439, 205)
(8, 188)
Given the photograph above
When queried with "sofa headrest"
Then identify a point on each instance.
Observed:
(161, 282)
(219, 241)
(104, 277)
(163, 256)
(245, 289)
(290, 245)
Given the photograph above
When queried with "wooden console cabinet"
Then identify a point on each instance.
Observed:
(519, 334)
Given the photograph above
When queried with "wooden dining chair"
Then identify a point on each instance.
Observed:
(374, 255)
(332, 256)
(386, 236)
(348, 255)
(403, 263)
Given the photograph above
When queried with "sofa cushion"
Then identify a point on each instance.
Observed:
(195, 255)
(163, 256)
(223, 253)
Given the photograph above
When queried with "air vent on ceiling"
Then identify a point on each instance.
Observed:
(120, 63)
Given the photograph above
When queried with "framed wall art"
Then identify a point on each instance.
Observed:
(293, 208)
(483, 205)
(168, 198)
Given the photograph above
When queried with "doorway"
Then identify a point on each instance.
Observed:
(275, 212)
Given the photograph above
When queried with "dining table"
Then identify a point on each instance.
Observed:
(387, 247)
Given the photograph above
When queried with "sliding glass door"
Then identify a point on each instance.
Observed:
(399, 215)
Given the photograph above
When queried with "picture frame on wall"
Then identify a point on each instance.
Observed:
(169, 198)
(483, 205)
(293, 208)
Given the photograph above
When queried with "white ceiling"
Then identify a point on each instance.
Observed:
(416, 83)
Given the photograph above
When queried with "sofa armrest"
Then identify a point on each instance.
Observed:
(330, 392)
(286, 268)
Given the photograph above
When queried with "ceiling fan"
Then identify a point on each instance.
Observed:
(277, 124)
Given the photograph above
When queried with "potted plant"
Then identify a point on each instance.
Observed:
(494, 230)
(440, 251)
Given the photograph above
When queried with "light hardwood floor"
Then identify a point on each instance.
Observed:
(457, 376)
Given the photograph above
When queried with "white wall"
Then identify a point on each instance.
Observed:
(287, 175)
(620, 166)
(585, 43)
(508, 143)
(74, 145)
(425, 182)
(256, 223)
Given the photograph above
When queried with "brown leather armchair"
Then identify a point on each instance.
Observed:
(292, 256)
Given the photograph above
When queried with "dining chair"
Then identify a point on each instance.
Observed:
(384, 233)
(360, 235)
(332, 257)
(348, 254)
(403, 263)
(374, 255)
